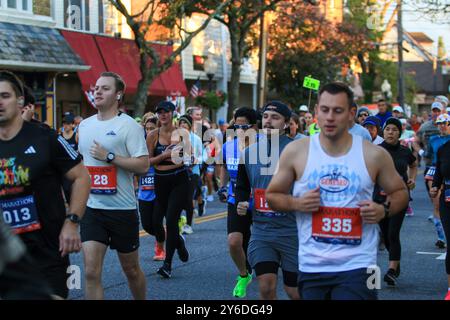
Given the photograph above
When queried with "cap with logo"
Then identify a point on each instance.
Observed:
(279, 107)
(68, 117)
(443, 118)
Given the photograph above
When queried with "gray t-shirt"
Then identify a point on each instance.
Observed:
(427, 130)
(267, 224)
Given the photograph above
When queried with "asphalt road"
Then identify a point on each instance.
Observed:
(210, 273)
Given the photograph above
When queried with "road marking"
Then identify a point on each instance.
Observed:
(440, 254)
(198, 220)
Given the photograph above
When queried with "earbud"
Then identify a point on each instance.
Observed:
(21, 101)
(119, 97)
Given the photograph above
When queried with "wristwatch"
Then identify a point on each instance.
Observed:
(73, 218)
(386, 209)
(110, 157)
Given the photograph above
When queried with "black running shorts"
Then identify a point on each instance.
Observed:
(118, 229)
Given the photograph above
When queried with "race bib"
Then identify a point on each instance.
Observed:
(447, 195)
(430, 173)
(21, 214)
(103, 180)
(261, 206)
(148, 183)
(337, 225)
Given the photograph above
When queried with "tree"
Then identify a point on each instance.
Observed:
(154, 15)
(303, 42)
(239, 16)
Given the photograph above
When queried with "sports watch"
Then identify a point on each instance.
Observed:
(110, 157)
(73, 218)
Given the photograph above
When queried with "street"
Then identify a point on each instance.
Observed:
(210, 273)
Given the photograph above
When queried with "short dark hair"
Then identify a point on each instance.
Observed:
(118, 81)
(381, 100)
(338, 87)
(29, 96)
(247, 113)
(14, 81)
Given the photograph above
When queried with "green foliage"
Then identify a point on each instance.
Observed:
(212, 100)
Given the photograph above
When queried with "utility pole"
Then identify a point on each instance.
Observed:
(262, 60)
(401, 85)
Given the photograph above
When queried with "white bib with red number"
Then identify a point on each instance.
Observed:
(337, 225)
(103, 179)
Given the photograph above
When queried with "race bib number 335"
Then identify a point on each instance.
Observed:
(103, 179)
(337, 225)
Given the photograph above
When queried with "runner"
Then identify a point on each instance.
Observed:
(113, 148)
(406, 165)
(238, 227)
(273, 243)
(435, 142)
(441, 181)
(372, 124)
(33, 161)
(146, 197)
(171, 183)
(383, 112)
(72, 139)
(295, 127)
(330, 180)
(362, 114)
(358, 129)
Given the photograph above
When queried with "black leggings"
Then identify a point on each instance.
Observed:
(171, 197)
(150, 220)
(444, 210)
(390, 228)
(193, 185)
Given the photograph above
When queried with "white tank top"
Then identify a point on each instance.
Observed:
(335, 239)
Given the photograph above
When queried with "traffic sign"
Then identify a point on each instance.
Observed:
(311, 83)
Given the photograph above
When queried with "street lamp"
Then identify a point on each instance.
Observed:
(210, 69)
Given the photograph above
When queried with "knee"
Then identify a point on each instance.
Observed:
(267, 290)
(132, 271)
(234, 242)
(93, 273)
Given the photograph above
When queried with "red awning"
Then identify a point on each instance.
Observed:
(122, 56)
(84, 45)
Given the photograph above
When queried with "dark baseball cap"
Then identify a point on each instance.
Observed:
(372, 120)
(279, 107)
(166, 106)
(68, 118)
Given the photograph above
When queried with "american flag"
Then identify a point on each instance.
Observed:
(195, 88)
(90, 96)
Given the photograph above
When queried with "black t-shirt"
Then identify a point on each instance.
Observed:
(32, 166)
(442, 167)
(402, 156)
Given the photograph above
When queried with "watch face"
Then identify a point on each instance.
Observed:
(110, 156)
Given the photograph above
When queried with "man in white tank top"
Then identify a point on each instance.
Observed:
(333, 175)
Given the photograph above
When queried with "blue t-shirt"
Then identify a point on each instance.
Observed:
(383, 117)
(434, 144)
(231, 156)
(359, 130)
(147, 186)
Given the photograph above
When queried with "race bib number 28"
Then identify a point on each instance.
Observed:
(103, 179)
(337, 225)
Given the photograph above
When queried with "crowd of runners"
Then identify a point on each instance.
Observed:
(315, 193)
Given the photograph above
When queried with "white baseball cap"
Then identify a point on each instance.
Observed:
(437, 105)
(442, 99)
(303, 108)
(398, 109)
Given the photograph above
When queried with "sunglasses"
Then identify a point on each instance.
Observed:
(242, 126)
(363, 115)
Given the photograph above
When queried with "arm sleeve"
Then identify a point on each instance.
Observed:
(135, 141)
(63, 156)
(437, 178)
(243, 188)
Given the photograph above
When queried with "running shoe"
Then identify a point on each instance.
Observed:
(430, 218)
(390, 277)
(240, 290)
(447, 297)
(181, 223)
(160, 254)
(409, 212)
(187, 229)
(183, 253)
(440, 244)
(210, 198)
(204, 192)
(165, 271)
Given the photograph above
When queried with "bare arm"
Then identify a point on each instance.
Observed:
(151, 142)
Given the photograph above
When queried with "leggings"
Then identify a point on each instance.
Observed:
(390, 228)
(150, 220)
(171, 199)
(444, 210)
(193, 185)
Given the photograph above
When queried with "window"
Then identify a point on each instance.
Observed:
(22, 5)
(111, 22)
(76, 14)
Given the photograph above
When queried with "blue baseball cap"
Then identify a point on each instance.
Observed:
(221, 122)
(372, 120)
